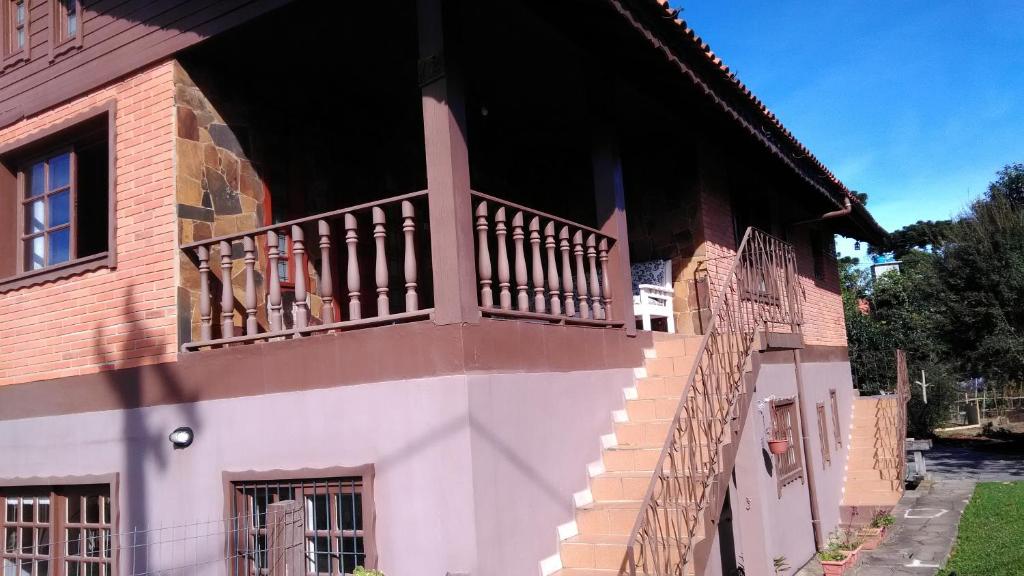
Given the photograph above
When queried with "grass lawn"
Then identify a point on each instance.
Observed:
(990, 541)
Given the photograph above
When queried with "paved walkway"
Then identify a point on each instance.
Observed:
(924, 533)
(927, 518)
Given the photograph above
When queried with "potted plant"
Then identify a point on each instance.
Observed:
(360, 571)
(847, 541)
(778, 442)
(835, 562)
(871, 536)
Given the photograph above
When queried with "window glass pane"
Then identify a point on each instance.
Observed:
(43, 509)
(91, 569)
(92, 509)
(60, 171)
(27, 539)
(19, 11)
(12, 509)
(43, 540)
(92, 542)
(316, 512)
(106, 543)
(60, 246)
(74, 509)
(9, 567)
(28, 509)
(35, 217)
(37, 179)
(73, 536)
(71, 568)
(11, 539)
(60, 209)
(42, 568)
(70, 7)
(35, 253)
(322, 554)
(20, 42)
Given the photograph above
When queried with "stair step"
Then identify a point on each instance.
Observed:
(623, 486)
(617, 517)
(605, 551)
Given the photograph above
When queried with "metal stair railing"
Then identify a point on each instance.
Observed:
(755, 290)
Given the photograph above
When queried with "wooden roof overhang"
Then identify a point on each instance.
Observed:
(657, 22)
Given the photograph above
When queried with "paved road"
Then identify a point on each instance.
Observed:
(951, 463)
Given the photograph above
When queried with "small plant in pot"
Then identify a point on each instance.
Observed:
(777, 440)
(872, 535)
(834, 562)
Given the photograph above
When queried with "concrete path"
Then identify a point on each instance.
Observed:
(924, 533)
(927, 518)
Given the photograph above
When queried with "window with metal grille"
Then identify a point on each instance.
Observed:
(57, 531)
(786, 422)
(335, 524)
(826, 453)
(833, 399)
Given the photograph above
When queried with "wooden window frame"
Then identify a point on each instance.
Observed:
(8, 32)
(826, 452)
(32, 145)
(26, 199)
(60, 42)
(819, 248)
(789, 464)
(834, 400)
(59, 490)
(316, 481)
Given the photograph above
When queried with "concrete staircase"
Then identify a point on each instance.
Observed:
(595, 543)
(872, 470)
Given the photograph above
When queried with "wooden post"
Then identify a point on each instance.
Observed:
(444, 130)
(581, 274)
(539, 301)
(326, 277)
(610, 196)
(483, 257)
(412, 301)
(563, 247)
(352, 241)
(522, 297)
(381, 262)
(550, 244)
(299, 266)
(205, 310)
(595, 284)
(285, 535)
(227, 296)
(274, 294)
(249, 247)
(504, 274)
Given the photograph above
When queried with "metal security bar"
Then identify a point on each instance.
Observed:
(755, 291)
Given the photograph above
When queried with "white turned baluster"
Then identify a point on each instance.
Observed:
(227, 297)
(539, 300)
(553, 292)
(595, 284)
(326, 274)
(274, 297)
(602, 255)
(563, 245)
(412, 301)
(301, 309)
(500, 232)
(205, 309)
(249, 248)
(483, 257)
(352, 240)
(381, 266)
(522, 297)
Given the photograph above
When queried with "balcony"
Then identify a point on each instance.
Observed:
(370, 264)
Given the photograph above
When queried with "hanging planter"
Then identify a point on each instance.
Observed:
(778, 446)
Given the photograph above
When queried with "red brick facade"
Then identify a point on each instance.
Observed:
(108, 319)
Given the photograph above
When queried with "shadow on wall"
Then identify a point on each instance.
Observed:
(146, 448)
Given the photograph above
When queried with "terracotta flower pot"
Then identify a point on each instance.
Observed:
(838, 568)
(871, 537)
(778, 446)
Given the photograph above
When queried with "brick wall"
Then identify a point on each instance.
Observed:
(824, 323)
(108, 319)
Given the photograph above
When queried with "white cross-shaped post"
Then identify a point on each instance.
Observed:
(924, 387)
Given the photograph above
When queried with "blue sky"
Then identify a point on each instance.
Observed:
(916, 103)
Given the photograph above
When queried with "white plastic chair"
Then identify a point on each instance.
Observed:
(653, 293)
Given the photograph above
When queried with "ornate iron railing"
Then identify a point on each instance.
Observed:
(902, 397)
(755, 290)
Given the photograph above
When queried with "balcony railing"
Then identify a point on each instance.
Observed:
(565, 278)
(259, 267)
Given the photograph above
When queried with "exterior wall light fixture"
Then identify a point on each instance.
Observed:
(182, 437)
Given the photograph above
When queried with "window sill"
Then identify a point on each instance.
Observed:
(58, 272)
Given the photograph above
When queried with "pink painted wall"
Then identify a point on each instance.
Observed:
(768, 524)
(532, 437)
(472, 473)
